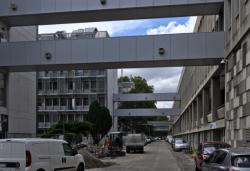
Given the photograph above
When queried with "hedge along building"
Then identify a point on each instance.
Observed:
(216, 105)
(192, 49)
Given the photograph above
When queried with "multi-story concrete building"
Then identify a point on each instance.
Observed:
(215, 99)
(17, 91)
(67, 95)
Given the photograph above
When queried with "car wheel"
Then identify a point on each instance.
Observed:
(142, 150)
(128, 150)
(80, 167)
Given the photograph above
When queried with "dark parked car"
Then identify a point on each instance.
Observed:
(205, 150)
(228, 160)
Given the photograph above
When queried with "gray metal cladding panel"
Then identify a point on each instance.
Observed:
(111, 49)
(33, 53)
(162, 41)
(18, 56)
(48, 6)
(179, 46)
(79, 51)
(145, 2)
(128, 49)
(5, 56)
(162, 2)
(4, 7)
(63, 5)
(95, 4)
(127, 3)
(145, 48)
(196, 45)
(33, 6)
(213, 44)
(95, 50)
(63, 51)
(21, 6)
(79, 5)
(48, 47)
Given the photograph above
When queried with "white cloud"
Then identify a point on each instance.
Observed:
(174, 27)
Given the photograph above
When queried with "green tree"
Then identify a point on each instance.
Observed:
(72, 130)
(101, 121)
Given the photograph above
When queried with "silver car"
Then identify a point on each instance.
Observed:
(180, 144)
(228, 160)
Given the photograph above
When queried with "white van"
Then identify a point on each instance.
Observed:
(38, 155)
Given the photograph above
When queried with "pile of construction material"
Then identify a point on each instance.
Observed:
(93, 162)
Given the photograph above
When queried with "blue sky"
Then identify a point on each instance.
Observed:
(164, 80)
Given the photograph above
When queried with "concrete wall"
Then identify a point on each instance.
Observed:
(21, 92)
(235, 128)
(112, 88)
(237, 25)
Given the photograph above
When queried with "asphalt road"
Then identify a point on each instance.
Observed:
(158, 156)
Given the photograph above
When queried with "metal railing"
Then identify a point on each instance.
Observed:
(64, 36)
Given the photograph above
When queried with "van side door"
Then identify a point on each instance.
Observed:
(69, 159)
(56, 154)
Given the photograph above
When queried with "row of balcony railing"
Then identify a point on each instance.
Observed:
(71, 74)
(63, 108)
(62, 35)
(209, 118)
(68, 91)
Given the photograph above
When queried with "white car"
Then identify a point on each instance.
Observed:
(39, 155)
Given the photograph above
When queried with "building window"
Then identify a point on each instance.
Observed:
(48, 102)
(39, 85)
(78, 102)
(55, 102)
(70, 117)
(85, 101)
(40, 118)
(63, 102)
(244, 54)
(85, 84)
(39, 101)
(55, 118)
(55, 85)
(70, 85)
(47, 117)
(101, 100)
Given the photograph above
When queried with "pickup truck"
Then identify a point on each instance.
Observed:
(135, 142)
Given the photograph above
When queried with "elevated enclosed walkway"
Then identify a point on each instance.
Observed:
(145, 112)
(146, 97)
(42, 12)
(120, 52)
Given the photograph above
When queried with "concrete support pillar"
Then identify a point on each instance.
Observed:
(205, 105)
(199, 110)
(190, 118)
(215, 97)
(185, 119)
(193, 115)
(115, 124)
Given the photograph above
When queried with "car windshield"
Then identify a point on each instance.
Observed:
(180, 141)
(210, 148)
(241, 161)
